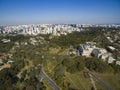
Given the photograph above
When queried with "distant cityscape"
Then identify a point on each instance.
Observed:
(54, 29)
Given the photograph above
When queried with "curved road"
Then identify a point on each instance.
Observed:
(43, 75)
(108, 87)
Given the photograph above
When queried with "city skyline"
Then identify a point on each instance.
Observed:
(14, 12)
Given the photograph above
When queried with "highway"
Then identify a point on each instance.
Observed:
(107, 86)
(43, 75)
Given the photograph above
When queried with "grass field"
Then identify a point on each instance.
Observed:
(78, 81)
(112, 79)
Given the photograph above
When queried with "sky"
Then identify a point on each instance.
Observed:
(14, 12)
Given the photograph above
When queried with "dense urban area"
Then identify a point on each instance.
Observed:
(60, 57)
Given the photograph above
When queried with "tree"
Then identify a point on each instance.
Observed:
(7, 79)
(96, 64)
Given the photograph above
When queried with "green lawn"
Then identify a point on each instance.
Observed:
(78, 81)
(112, 79)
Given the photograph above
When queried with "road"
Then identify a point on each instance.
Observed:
(43, 75)
(108, 87)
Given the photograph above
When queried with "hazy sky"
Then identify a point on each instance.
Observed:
(59, 11)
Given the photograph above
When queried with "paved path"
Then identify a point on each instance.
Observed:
(93, 82)
(5, 66)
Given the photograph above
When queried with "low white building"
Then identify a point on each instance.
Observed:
(5, 40)
(111, 48)
(117, 62)
(111, 59)
(33, 41)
